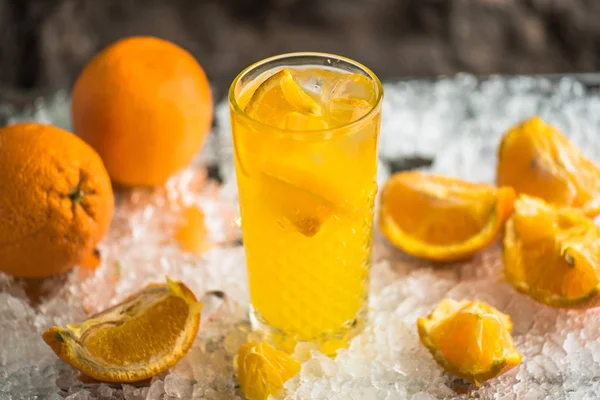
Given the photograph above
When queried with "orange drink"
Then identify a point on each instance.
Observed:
(305, 129)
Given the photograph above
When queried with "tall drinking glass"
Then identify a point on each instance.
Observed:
(305, 130)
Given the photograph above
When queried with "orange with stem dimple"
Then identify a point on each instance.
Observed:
(145, 105)
(56, 201)
(442, 218)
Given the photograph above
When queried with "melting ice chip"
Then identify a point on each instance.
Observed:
(355, 86)
(345, 110)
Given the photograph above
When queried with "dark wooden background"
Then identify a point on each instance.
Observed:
(44, 43)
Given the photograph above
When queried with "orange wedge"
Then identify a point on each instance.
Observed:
(441, 218)
(92, 260)
(469, 339)
(552, 254)
(536, 159)
(279, 100)
(143, 336)
(263, 370)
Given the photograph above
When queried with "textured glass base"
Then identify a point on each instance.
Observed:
(328, 342)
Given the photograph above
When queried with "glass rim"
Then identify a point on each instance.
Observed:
(231, 96)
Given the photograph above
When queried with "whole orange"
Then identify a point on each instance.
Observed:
(146, 106)
(56, 201)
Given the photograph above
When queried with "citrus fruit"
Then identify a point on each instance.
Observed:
(469, 339)
(536, 159)
(441, 218)
(92, 260)
(263, 370)
(142, 336)
(146, 106)
(279, 101)
(551, 254)
(56, 201)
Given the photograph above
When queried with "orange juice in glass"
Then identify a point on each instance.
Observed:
(305, 129)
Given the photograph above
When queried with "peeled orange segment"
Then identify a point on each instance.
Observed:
(469, 339)
(551, 254)
(536, 159)
(301, 197)
(278, 96)
(263, 370)
(441, 218)
(143, 336)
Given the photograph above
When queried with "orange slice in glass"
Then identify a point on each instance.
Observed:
(143, 336)
(279, 102)
(277, 97)
(551, 254)
(441, 218)
(536, 159)
(469, 339)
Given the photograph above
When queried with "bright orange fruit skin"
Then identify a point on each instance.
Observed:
(536, 159)
(552, 254)
(146, 106)
(142, 336)
(56, 201)
(469, 339)
(442, 218)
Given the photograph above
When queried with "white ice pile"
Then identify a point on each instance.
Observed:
(458, 123)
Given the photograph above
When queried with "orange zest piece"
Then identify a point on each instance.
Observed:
(263, 370)
(551, 254)
(469, 339)
(441, 218)
(536, 159)
(143, 336)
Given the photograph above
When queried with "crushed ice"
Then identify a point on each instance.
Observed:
(456, 122)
